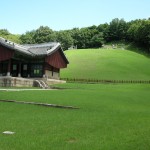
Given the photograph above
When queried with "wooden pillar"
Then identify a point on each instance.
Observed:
(9, 67)
(52, 71)
(29, 69)
(44, 70)
(19, 70)
(0, 68)
(59, 73)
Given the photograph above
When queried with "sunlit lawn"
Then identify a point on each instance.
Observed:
(106, 64)
(111, 117)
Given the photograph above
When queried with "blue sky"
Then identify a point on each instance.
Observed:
(19, 16)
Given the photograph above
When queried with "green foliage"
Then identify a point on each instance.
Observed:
(116, 30)
(27, 38)
(87, 37)
(7, 35)
(65, 39)
(4, 32)
(136, 31)
(43, 34)
(102, 27)
(84, 37)
(139, 32)
(40, 35)
(97, 40)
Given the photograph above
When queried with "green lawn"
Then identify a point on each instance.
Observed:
(111, 117)
(106, 64)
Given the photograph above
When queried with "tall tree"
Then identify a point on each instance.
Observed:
(44, 34)
(65, 39)
(28, 37)
(116, 30)
(139, 32)
(97, 40)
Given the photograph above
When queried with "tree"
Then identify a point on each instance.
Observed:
(139, 32)
(7, 35)
(28, 37)
(65, 39)
(116, 30)
(44, 34)
(97, 40)
(4, 32)
(102, 27)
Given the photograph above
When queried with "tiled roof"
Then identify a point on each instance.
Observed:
(14, 46)
(32, 49)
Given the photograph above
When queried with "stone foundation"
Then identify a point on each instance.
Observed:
(15, 82)
(50, 75)
(53, 81)
(9, 81)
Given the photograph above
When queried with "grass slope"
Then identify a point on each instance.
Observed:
(111, 117)
(106, 64)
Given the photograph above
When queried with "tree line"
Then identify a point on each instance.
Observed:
(135, 31)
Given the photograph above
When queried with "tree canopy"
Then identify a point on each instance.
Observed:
(136, 31)
(6, 34)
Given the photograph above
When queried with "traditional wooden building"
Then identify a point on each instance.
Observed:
(33, 60)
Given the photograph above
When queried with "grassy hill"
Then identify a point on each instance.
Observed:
(107, 64)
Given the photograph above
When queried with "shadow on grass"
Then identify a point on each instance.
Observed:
(138, 49)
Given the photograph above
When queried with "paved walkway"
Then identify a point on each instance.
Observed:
(26, 89)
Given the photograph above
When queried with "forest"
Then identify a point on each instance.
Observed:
(135, 31)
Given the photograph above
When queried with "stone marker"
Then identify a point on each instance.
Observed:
(8, 132)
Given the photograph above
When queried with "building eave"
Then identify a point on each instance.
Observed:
(34, 50)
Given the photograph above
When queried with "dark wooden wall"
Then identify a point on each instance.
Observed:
(5, 53)
(56, 60)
